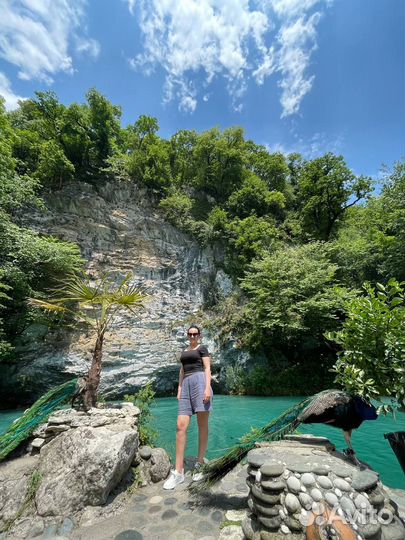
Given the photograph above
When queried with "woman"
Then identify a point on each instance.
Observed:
(195, 396)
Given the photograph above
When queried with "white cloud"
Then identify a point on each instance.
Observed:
(237, 40)
(11, 99)
(36, 35)
(311, 147)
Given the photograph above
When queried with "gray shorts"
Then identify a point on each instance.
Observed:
(192, 395)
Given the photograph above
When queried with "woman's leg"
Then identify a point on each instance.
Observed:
(183, 422)
(202, 420)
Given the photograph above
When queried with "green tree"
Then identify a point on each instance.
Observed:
(292, 297)
(98, 305)
(255, 198)
(327, 187)
(271, 168)
(54, 168)
(371, 362)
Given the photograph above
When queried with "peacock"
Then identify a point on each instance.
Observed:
(23, 427)
(332, 407)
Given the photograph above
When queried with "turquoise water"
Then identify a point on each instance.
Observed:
(233, 416)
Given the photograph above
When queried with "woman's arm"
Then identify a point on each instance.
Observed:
(207, 368)
(181, 377)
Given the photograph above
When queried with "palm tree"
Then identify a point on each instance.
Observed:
(95, 303)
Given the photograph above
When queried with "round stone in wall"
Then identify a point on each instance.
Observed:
(273, 485)
(341, 484)
(324, 482)
(293, 484)
(272, 469)
(292, 503)
(331, 498)
(364, 480)
(308, 479)
(305, 500)
(316, 494)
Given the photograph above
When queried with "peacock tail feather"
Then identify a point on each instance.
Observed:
(34, 416)
(277, 429)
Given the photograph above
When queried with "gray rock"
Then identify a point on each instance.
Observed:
(273, 485)
(292, 503)
(341, 484)
(364, 480)
(160, 465)
(305, 500)
(331, 498)
(252, 471)
(308, 479)
(251, 528)
(293, 524)
(272, 523)
(81, 467)
(342, 470)
(321, 470)
(265, 497)
(37, 442)
(145, 452)
(272, 469)
(256, 460)
(376, 498)
(347, 505)
(231, 532)
(266, 510)
(316, 494)
(324, 482)
(393, 531)
(371, 531)
(293, 484)
(300, 467)
(66, 527)
(360, 501)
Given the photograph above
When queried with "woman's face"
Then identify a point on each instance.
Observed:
(193, 335)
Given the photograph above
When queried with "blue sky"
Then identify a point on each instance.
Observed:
(299, 75)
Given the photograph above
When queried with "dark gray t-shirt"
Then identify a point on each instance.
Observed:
(192, 360)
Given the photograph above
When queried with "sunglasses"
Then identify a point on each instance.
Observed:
(191, 334)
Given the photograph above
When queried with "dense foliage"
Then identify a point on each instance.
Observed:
(372, 360)
(299, 237)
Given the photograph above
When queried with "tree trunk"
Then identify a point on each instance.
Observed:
(93, 378)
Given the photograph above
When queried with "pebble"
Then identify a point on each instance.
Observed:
(301, 467)
(338, 492)
(292, 503)
(169, 514)
(347, 505)
(305, 500)
(284, 529)
(265, 497)
(156, 499)
(321, 470)
(293, 524)
(293, 484)
(364, 480)
(324, 482)
(273, 485)
(316, 494)
(308, 479)
(269, 511)
(235, 515)
(272, 469)
(255, 459)
(271, 523)
(341, 484)
(360, 502)
(231, 532)
(145, 452)
(251, 528)
(331, 498)
(370, 530)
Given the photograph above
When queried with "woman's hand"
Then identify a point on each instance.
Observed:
(207, 395)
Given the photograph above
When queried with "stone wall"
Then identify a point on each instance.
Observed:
(296, 493)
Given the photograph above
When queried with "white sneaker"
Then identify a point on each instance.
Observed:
(174, 479)
(197, 474)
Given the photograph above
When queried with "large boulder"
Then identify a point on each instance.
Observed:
(81, 466)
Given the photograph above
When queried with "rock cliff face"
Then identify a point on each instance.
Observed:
(118, 229)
